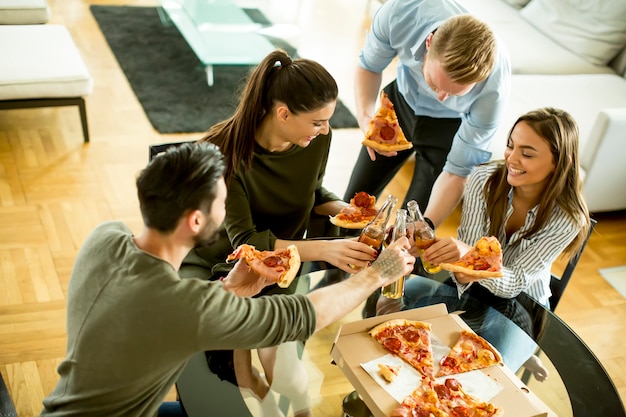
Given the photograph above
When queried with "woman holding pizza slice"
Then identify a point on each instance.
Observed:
(276, 146)
(531, 201)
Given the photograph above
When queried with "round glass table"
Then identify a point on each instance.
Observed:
(577, 385)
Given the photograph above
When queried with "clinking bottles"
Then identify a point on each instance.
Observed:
(395, 290)
(374, 233)
(424, 235)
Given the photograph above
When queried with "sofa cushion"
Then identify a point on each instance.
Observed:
(24, 12)
(581, 95)
(596, 30)
(518, 4)
(44, 62)
(531, 51)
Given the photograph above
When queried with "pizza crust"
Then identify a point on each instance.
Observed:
(294, 267)
(384, 147)
(348, 225)
(390, 324)
(482, 274)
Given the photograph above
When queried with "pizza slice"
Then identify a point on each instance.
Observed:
(357, 214)
(470, 352)
(410, 340)
(279, 266)
(448, 399)
(384, 132)
(422, 402)
(483, 260)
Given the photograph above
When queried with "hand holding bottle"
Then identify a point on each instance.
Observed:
(374, 233)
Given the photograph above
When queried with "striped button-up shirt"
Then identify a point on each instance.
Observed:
(527, 264)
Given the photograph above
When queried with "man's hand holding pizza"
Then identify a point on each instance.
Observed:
(243, 281)
(384, 135)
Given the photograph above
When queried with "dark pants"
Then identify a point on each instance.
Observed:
(431, 138)
(171, 409)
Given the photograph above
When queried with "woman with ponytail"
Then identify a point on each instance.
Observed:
(276, 147)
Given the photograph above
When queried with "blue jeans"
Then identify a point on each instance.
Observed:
(172, 409)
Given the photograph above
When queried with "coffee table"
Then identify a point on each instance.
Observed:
(219, 32)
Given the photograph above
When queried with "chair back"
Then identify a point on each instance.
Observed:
(558, 284)
(154, 150)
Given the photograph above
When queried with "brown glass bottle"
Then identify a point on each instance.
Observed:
(374, 233)
(395, 290)
(424, 235)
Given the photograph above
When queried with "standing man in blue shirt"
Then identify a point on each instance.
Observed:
(450, 92)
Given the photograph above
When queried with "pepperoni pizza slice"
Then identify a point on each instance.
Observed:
(432, 399)
(280, 266)
(384, 132)
(483, 260)
(357, 214)
(470, 352)
(410, 340)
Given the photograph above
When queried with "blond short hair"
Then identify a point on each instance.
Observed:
(465, 47)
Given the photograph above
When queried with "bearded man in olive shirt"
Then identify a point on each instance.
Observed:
(132, 323)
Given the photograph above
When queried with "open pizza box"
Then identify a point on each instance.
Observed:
(353, 347)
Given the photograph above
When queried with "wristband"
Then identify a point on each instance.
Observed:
(430, 223)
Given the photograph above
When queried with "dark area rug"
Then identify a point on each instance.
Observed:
(167, 77)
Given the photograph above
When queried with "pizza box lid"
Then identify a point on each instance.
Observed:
(353, 346)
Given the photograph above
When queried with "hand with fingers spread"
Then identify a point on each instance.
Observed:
(394, 261)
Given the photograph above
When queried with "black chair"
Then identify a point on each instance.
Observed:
(154, 150)
(558, 284)
(7, 409)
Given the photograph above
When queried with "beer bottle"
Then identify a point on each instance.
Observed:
(395, 290)
(424, 235)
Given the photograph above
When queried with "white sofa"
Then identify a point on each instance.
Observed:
(569, 54)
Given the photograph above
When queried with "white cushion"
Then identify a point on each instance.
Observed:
(581, 95)
(531, 51)
(44, 62)
(518, 4)
(596, 30)
(24, 12)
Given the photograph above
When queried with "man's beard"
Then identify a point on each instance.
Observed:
(208, 236)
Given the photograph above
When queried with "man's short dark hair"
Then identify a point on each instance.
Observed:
(179, 180)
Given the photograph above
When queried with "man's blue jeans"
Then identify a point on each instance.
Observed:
(171, 409)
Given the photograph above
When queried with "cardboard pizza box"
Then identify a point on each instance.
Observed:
(354, 346)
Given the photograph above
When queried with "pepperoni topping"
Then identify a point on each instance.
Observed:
(387, 133)
(449, 362)
(461, 411)
(369, 212)
(273, 261)
(362, 199)
(392, 344)
(452, 384)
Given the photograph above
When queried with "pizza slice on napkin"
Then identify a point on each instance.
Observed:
(470, 352)
(410, 340)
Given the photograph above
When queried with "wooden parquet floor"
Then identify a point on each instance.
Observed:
(54, 190)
